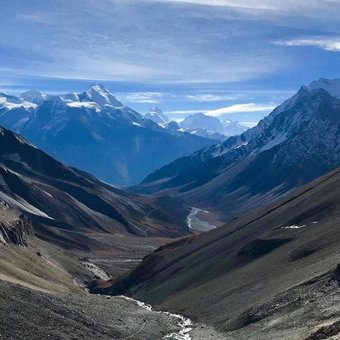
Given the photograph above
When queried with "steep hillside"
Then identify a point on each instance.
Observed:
(296, 143)
(75, 212)
(273, 274)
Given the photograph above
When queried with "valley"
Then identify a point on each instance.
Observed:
(170, 170)
(238, 240)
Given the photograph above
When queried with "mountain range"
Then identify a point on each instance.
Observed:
(199, 124)
(271, 272)
(298, 142)
(95, 132)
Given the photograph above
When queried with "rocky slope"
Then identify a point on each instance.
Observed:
(47, 190)
(273, 274)
(296, 143)
(95, 132)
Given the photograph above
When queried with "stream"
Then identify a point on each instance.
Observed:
(184, 323)
(195, 223)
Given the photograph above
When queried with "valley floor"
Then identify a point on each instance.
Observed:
(34, 315)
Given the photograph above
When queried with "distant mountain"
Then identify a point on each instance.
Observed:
(100, 95)
(15, 112)
(332, 86)
(95, 132)
(173, 127)
(262, 276)
(157, 115)
(202, 122)
(33, 96)
(202, 125)
(233, 128)
(65, 205)
(296, 143)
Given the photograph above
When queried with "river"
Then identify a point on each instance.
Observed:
(185, 324)
(197, 224)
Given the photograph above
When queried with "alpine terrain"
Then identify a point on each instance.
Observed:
(95, 132)
(298, 142)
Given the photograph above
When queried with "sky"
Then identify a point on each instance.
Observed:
(230, 58)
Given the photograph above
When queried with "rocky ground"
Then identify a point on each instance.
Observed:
(34, 315)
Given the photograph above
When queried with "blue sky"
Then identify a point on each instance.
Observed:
(183, 56)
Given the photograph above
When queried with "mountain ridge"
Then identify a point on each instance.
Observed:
(243, 165)
(95, 132)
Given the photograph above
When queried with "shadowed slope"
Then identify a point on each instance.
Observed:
(233, 275)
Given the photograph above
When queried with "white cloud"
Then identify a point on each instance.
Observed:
(241, 108)
(264, 4)
(210, 97)
(328, 44)
(238, 108)
(248, 124)
(159, 43)
(143, 97)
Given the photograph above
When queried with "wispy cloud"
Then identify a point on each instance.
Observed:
(184, 112)
(211, 97)
(249, 124)
(144, 97)
(238, 108)
(328, 44)
(264, 4)
(241, 108)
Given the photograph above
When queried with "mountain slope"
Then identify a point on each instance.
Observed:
(63, 200)
(96, 133)
(296, 143)
(262, 276)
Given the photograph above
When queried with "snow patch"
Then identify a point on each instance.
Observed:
(295, 226)
(87, 105)
(195, 223)
(20, 203)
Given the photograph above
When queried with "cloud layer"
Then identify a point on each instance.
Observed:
(163, 41)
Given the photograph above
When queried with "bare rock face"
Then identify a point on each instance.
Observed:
(15, 232)
(337, 274)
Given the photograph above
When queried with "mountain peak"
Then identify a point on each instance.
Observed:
(202, 121)
(157, 115)
(33, 96)
(99, 94)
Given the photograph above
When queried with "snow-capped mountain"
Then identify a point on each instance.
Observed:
(296, 143)
(100, 95)
(202, 122)
(14, 111)
(33, 96)
(95, 132)
(211, 127)
(157, 115)
(233, 128)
